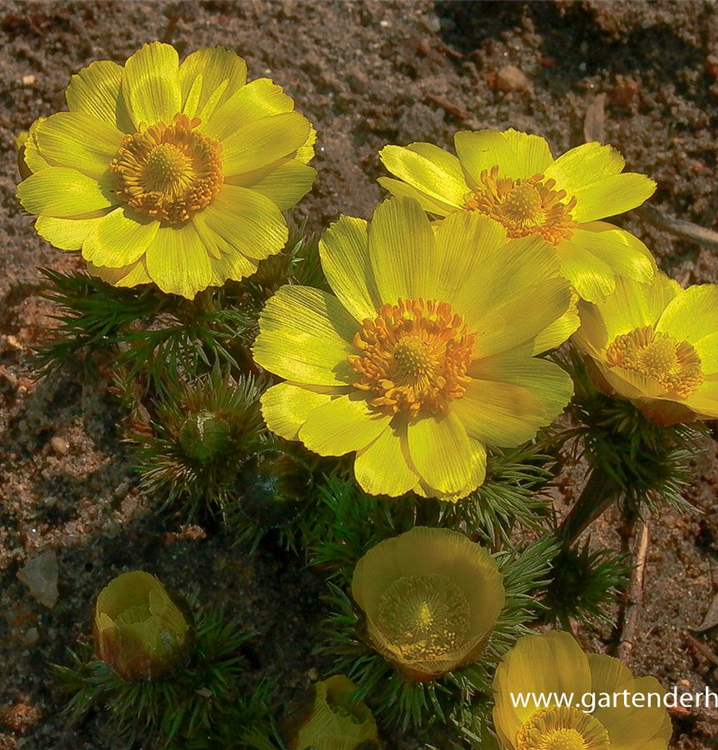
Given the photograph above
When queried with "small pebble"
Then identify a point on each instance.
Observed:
(59, 445)
(510, 78)
(28, 80)
(40, 575)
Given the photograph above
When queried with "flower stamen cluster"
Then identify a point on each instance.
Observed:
(562, 728)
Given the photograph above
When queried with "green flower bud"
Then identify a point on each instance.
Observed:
(336, 722)
(141, 631)
(204, 436)
(274, 487)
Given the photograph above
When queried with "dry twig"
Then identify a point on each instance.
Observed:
(634, 604)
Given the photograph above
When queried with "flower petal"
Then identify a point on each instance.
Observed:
(704, 401)
(178, 262)
(247, 220)
(208, 78)
(402, 251)
(263, 141)
(345, 261)
(305, 336)
(426, 174)
(285, 407)
(285, 183)
(440, 450)
(707, 348)
(612, 195)
(150, 86)
(590, 275)
(342, 425)
(129, 276)
(692, 314)
(61, 191)
(95, 90)
(121, 238)
(516, 154)
(258, 99)
(508, 410)
(66, 234)
(400, 189)
(384, 466)
(80, 141)
(560, 330)
(584, 165)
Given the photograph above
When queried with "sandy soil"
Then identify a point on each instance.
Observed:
(367, 74)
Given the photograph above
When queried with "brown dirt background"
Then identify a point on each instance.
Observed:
(367, 74)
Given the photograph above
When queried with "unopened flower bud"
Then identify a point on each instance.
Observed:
(204, 436)
(141, 631)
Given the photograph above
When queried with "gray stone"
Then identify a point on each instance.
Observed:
(40, 575)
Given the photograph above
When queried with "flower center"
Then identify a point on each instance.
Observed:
(526, 206)
(414, 357)
(674, 365)
(168, 172)
(424, 617)
(562, 728)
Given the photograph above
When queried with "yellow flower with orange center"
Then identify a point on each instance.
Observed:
(513, 178)
(425, 356)
(657, 345)
(545, 686)
(169, 173)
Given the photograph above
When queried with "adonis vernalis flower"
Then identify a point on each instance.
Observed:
(424, 356)
(431, 599)
(335, 721)
(554, 664)
(141, 631)
(169, 173)
(513, 178)
(657, 345)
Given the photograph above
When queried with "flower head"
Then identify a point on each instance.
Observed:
(169, 173)
(554, 664)
(424, 356)
(513, 178)
(141, 631)
(657, 345)
(336, 721)
(431, 599)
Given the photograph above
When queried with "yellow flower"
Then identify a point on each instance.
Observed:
(431, 598)
(424, 356)
(554, 663)
(513, 178)
(336, 722)
(657, 345)
(168, 173)
(141, 631)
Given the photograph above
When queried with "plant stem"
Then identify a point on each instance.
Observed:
(599, 493)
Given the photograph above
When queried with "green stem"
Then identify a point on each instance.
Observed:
(599, 493)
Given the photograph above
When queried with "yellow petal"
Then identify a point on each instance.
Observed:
(129, 276)
(255, 101)
(707, 348)
(400, 189)
(591, 277)
(607, 673)
(516, 154)
(285, 183)
(384, 466)
(121, 238)
(704, 401)
(692, 314)
(80, 141)
(285, 407)
(61, 191)
(468, 244)
(440, 450)
(178, 262)
(476, 477)
(95, 90)
(560, 330)
(342, 425)
(150, 86)
(345, 261)
(208, 78)
(65, 234)
(247, 220)
(509, 413)
(427, 174)
(402, 250)
(583, 165)
(305, 336)
(263, 141)
(611, 196)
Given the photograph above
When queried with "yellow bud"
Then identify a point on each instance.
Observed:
(141, 631)
(336, 722)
